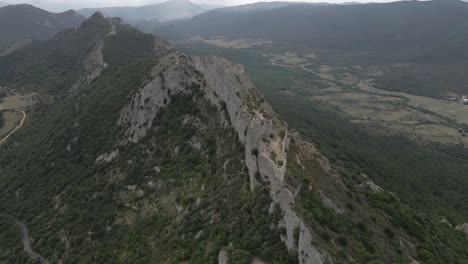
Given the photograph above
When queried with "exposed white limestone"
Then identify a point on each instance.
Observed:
(285, 199)
(265, 137)
(107, 157)
(228, 85)
(94, 62)
(222, 257)
(266, 142)
(463, 228)
(172, 76)
(308, 254)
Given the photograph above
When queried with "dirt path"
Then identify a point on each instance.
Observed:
(27, 241)
(27, 245)
(16, 128)
(454, 110)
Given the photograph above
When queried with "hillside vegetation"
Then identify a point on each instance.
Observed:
(142, 154)
(57, 63)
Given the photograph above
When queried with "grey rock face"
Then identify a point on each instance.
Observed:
(463, 228)
(265, 137)
(107, 157)
(266, 142)
(253, 119)
(94, 62)
(172, 76)
(222, 257)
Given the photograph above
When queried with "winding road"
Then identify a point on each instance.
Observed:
(17, 127)
(27, 241)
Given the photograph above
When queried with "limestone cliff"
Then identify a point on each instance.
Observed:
(463, 228)
(265, 137)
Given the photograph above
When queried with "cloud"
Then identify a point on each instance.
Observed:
(61, 5)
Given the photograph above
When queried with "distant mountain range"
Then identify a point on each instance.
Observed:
(342, 27)
(28, 22)
(170, 10)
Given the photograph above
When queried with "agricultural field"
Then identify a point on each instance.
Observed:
(11, 120)
(224, 42)
(18, 101)
(10, 107)
(349, 89)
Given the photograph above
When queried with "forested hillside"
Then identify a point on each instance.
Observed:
(140, 153)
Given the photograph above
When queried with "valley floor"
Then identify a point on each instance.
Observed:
(349, 89)
(14, 108)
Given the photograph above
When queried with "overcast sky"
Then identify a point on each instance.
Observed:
(60, 5)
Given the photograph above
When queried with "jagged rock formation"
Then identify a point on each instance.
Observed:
(222, 257)
(172, 76)
(463, 228)
(94, 62)
(265, 137)
(266, 143)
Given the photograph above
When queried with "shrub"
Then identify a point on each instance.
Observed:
(342, 241)
(255, 152)
(325, 236)
(296, 234)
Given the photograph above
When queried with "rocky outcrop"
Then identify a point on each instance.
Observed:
(107, 157)
(370, 185)
(162, 47)
(94, 62)
(222, 257)
(298, 237)
(266, 144)
(462, 228)
(265, 137)
(172, 76)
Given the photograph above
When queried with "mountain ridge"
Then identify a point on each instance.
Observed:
(164, 11)
(158, 156)
(22, 24)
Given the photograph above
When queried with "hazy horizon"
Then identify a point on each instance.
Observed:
(62, 5)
